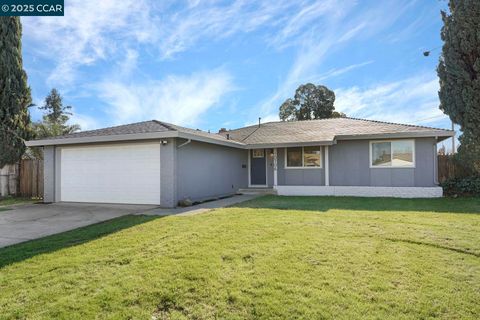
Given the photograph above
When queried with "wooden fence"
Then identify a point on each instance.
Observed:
(449, 168)
(31, 178)
(8, 180)
(22, 179)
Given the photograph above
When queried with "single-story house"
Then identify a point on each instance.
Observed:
(154, 162)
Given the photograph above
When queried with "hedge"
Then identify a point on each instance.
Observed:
(462, 186)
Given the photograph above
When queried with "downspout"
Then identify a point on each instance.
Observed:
(184, 144)
(435, 163)
(327, 168)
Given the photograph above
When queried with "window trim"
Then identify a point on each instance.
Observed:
(391, 154)
(257, 157)
(285, 165)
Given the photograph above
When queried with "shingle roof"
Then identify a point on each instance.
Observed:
(270, 133)
(150, 126)
(324, 130)
(197, 132)
(139, 127)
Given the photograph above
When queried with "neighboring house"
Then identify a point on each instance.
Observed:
(154, 162)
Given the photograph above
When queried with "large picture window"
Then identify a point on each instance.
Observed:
(303, 157)
(392, 154)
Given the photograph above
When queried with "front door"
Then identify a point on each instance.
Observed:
(258, 167)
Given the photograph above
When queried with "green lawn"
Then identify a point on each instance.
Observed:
(9, 201)
(271, 258)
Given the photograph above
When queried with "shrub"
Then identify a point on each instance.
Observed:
(462, 186)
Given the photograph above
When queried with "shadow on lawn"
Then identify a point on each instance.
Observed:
(25, 250)
(469, 205)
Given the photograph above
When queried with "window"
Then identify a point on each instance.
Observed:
(258, 153)
(392, 154)
(294, 157)
(303, 157)
(311, 156)
(381, 154)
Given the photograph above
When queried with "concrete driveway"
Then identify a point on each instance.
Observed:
(32, 221)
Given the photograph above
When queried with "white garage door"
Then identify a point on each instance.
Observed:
(116, 173)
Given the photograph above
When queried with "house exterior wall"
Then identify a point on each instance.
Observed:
(201, 170)
(363, 191)
(205, 170)
(49, 174)
(349, 166)
(168, 173)
(299, 176)
(269, 167)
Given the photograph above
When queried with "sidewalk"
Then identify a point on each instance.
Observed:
(200, 208)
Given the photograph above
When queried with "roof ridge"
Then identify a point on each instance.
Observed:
(351, 118)
(111, 127)
(195, 131)
(174, 126)
(293, 121)
(165, 124)
(396, 123)
(283, 121)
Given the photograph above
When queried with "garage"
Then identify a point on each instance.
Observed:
(111, 173)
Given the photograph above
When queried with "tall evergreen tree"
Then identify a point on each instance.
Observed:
(54, 121)
(15, 98)
(459, 73)
(56, 113)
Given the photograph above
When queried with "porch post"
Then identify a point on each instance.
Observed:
(275, 177)
(327, 170)
(248, 168)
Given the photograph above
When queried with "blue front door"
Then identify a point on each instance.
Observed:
(258, 167)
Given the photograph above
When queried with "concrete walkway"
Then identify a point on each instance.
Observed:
(202, 207)
(33, 221)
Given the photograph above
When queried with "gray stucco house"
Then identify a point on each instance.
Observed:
(154, 162)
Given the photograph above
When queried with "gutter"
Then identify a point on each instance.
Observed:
(131, 137)
(432, 134)
(290, 144)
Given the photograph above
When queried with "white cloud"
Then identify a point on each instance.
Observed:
(128, 64)
(352, 32)
(85, 122)
(309, 18)
(178, 99)
(410, 100)
(91, 30)
(339, 71)
(212, 20)
(349, 24)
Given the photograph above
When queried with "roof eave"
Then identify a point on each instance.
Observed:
(96, 139)
(131, 137)
(289, 144)
(228, 143)
(398, 135)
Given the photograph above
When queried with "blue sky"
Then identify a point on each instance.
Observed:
(212, 64)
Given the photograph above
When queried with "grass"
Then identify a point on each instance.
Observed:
(274, 257)
(9, 201)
